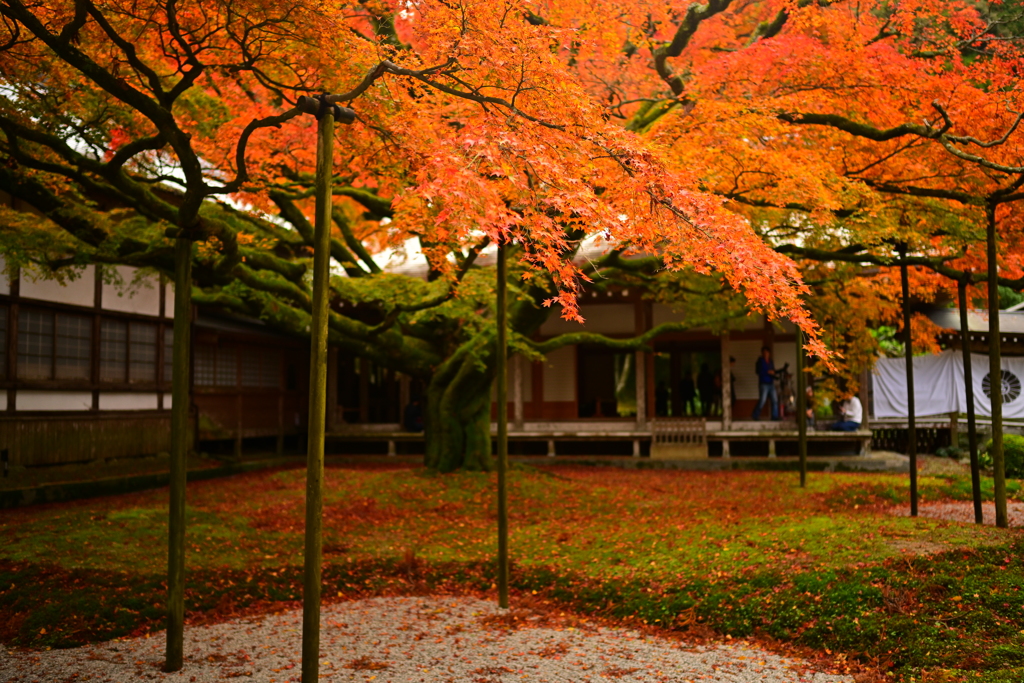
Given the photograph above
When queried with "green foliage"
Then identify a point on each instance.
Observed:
(1013, 455)
(889, 342)
(1009, 297)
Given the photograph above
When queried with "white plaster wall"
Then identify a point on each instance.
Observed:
(785, 352)
(127, 401)
(527, 371)
(130, 297)
(3, 400)
(600, 318)
(527, 375)
(5, 283)
(169, 301)
(560, 375)
(167, 401)
(746, 353)
(53, 400)
(79, 292)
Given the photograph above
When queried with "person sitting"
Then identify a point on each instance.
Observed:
(851, 414)
(809, 393)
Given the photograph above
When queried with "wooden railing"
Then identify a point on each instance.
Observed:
(679, 438)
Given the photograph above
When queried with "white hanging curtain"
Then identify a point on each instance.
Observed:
(939, 386)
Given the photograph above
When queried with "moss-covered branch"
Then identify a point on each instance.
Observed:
(637, 343)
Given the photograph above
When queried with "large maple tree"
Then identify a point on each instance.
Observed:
(716, 135)
(128, 124)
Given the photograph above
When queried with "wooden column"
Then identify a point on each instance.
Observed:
(865, 398)
(313, 550)
(972, 425)
(640, 368)
(279, 446)
(174, 652)
(641, 390)
(801, 405)
(94, 359)
(404, 396)
(364, 390)
(909, 358)
(726, 383)
(332, 390)
(12, 344)
(995, 371)
(502, 446)
(517, 392)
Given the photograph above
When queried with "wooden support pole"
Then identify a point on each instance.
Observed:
(909, 356)
(726, 389)
(317, 399)
(517, 392)
(801, 405)
(332, 391)
(174, 654)
(972, 424)
(640, 377)
(995, 372)
(502, 322)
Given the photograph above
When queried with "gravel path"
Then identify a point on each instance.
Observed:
(412, 639)
(963, 511)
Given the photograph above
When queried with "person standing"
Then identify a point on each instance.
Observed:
(765, 370)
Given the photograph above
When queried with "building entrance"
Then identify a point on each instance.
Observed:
(687, 379)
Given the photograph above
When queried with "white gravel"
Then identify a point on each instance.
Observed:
(411, 640)
(963, 511)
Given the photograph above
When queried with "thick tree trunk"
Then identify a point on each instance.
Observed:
(458, 411)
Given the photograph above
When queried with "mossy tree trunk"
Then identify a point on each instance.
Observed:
(458, 409)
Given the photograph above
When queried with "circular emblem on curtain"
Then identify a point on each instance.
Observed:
(1010, 386)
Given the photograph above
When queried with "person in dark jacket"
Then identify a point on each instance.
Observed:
(766, 391)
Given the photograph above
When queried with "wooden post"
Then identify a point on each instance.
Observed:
(640, 375)
(640, 319)
(174, 654)
(317, 398)
(909, 356)
(726, 385)
(801, 405)
(517, 392)
(502, 322)
(972, 424)
(279, 445)
(995, 372)
(404, 397)
(332, 391)
(364, 390)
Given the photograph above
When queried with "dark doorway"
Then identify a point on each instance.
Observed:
(606, 382)
(687, 379)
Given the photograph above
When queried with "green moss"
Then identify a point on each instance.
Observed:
(742, 553)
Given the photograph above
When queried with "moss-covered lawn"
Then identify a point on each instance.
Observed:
(741, 553)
